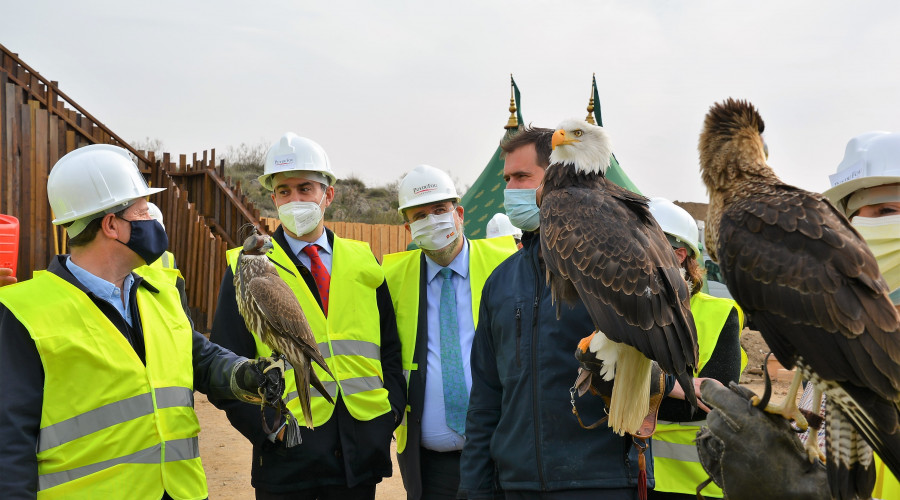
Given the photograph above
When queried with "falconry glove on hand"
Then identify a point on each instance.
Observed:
(259, 381)
(751, 454)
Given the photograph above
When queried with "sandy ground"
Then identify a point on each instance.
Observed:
(226, 454)
(226, 458)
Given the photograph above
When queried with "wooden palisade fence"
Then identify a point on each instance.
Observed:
(203, 212)
(39, 124)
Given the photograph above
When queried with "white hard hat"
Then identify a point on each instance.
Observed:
(293, 153)
(425, 184)
(155, 213)
(871, 159)
(676, 222)
(92, 180)
(499, 225)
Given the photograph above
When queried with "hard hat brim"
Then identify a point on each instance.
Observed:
(837, 194)
(107, 206)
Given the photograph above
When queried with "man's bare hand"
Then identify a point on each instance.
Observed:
(6, 276)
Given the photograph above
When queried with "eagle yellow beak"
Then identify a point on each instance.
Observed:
(561, 139)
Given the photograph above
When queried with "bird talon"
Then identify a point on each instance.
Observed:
(278, 363)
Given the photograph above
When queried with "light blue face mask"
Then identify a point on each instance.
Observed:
(521, 207)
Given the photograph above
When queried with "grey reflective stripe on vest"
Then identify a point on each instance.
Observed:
(112, 414)
(355, 348)
(165, 260)
(675, 451)
(349, 386)
(179, 449)
(170, 397)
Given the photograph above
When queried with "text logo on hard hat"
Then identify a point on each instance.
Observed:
(284, 161)
(424, 189)
(856, 171)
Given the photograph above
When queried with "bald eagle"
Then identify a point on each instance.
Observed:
(794, 263)
(601, 244)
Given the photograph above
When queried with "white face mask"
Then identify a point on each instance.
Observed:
(301, 217)
(882, 234)
(434, 232)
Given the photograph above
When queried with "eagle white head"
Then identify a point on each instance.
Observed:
(587, 147)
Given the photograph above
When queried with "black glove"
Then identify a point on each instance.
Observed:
(751, 454)
(260, 380)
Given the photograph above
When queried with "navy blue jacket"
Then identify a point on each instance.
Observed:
(520, 430)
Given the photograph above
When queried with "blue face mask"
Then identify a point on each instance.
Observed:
(148, 239)
(521, 207)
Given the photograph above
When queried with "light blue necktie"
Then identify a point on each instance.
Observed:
(456, 397)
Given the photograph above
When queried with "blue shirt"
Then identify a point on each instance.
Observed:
(325, 251)
(435, 433)
(104, 289)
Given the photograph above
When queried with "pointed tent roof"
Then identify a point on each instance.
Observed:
(485, 197)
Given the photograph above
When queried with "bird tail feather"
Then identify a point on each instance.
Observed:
(627, 407)
(303, 395)
(314, 380)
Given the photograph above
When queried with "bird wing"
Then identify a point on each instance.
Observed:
(280, 308)
(796, 265)
(606, 243)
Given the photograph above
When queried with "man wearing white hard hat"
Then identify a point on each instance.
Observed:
(98, 363)
(866, 189)
(500, 225)
(342, 291)
(719, 323)
(436, 291)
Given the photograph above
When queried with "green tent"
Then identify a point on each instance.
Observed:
(485, 197)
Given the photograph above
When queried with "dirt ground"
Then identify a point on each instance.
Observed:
(226, 454)
(226, 457)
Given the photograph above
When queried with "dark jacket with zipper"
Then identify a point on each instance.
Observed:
(520, 430)
(343, 451)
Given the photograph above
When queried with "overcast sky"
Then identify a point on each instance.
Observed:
(386, 85)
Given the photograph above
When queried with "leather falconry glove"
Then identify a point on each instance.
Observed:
(751, 454)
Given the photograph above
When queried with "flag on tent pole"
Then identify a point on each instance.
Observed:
(485, 197)
(615, 172)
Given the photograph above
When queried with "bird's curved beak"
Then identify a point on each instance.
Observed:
(267, 245)
(561, 139)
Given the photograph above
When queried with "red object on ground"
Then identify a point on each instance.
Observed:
(9, 242)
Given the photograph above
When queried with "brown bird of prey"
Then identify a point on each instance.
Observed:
(797, 266)
(270, 309)
(601, 244)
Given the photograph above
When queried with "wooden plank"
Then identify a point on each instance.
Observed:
(41, 167)
(26, 227)
(5, 147)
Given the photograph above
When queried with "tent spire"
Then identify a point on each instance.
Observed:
(513, 122)
(590, 106)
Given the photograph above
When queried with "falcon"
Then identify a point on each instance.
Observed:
(270, 309)
(601, 245)
(812, 286)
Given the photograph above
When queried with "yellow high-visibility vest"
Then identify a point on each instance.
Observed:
(349, 339)
(402, 273)
(676, 465)
(110, 424)
(886, 485)
(166, 261)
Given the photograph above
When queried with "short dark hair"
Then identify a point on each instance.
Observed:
(90, 231)
(539, 136)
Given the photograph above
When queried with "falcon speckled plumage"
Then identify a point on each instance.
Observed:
(601, 244)
(797, 266)
(270, 309)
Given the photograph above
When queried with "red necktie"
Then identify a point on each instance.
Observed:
(320, 274)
